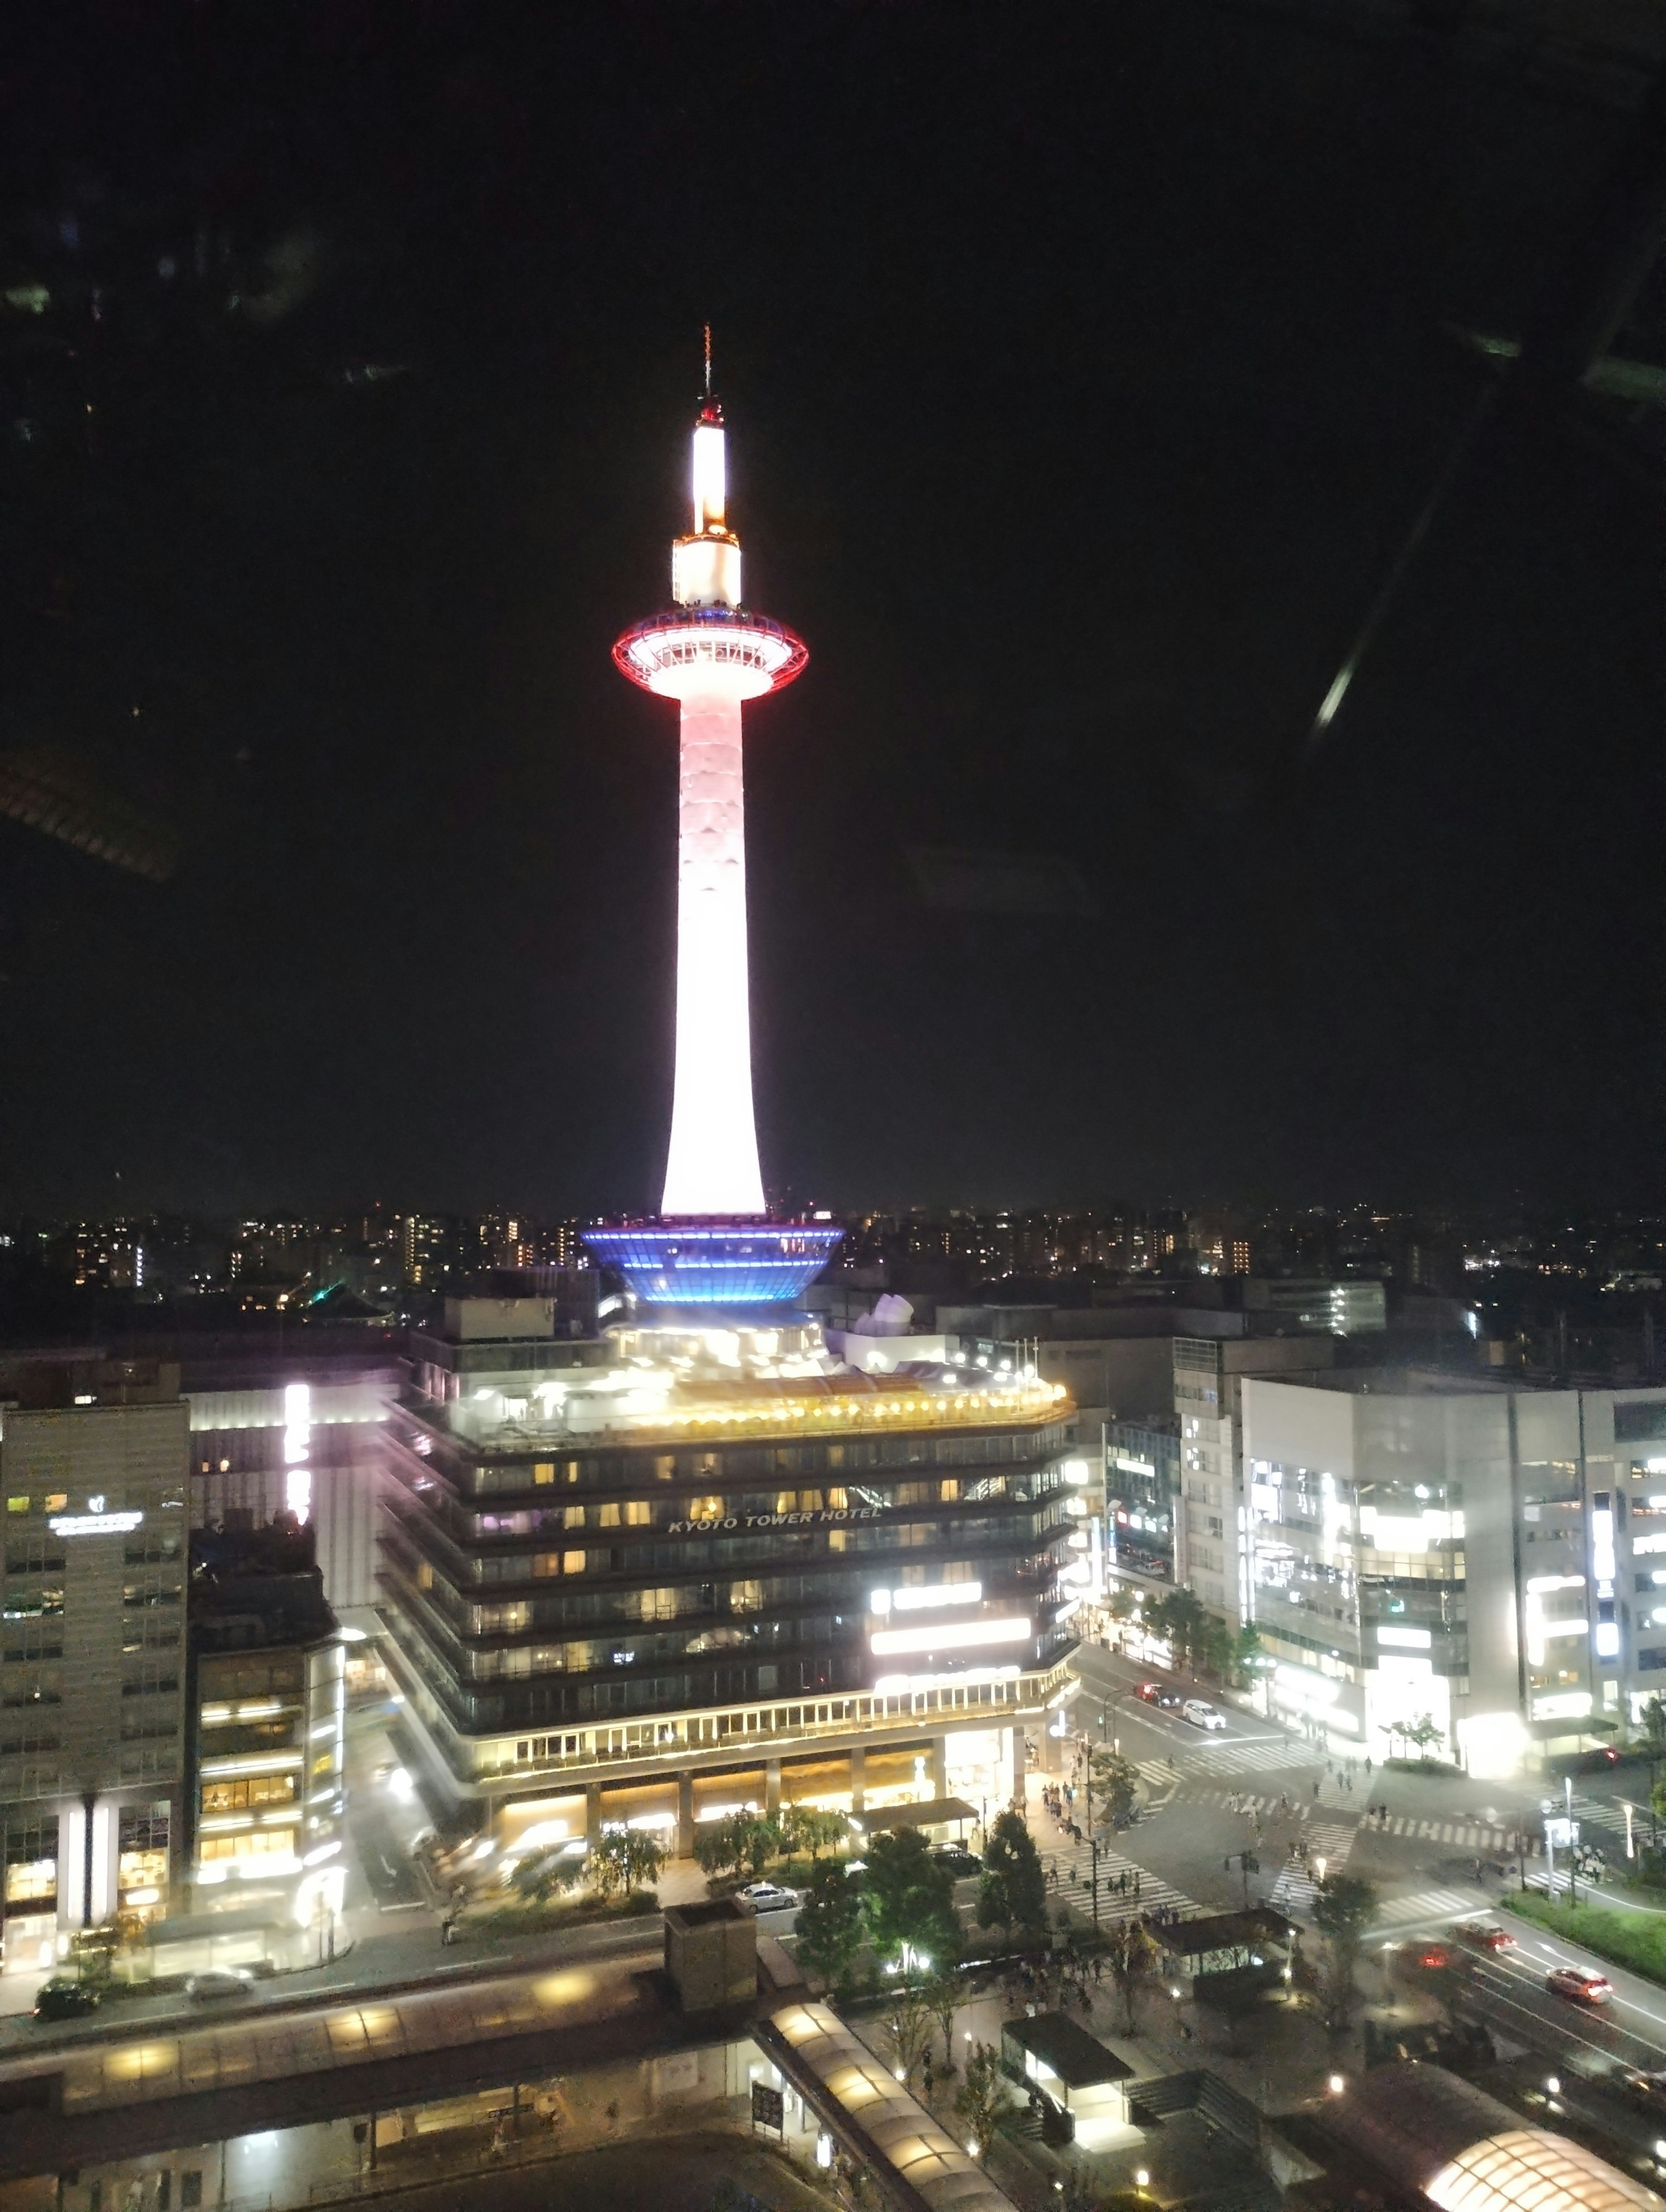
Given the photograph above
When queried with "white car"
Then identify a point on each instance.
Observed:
(770, 1897)
(220, 1982)
(1202, 1715)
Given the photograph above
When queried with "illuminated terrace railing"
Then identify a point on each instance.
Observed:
(768, 1727)
(793, 1415)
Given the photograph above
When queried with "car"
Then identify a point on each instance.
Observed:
(956, 1859)
(1434, 1956)
(1202, 1714)
(1485, 1937)
(1574, 1982)
(1646, 2091)
(217, 1982)
(1157, 1693)
(64, 2000)
(770, 1897)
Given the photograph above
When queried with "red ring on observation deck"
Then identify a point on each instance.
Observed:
(722, 634)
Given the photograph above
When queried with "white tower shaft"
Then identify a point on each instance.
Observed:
(713, 1166)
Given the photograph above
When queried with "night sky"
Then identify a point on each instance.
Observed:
(1083, 367)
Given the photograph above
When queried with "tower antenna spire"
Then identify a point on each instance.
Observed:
(709, 360)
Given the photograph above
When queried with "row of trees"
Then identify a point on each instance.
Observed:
(1200, 1641)
(744, 1843)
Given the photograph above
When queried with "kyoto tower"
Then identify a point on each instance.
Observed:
(712, 1244)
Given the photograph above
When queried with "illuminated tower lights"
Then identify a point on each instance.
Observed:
(713, 1243)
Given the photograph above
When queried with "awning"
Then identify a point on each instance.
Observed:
(937, 1814)
(1079, 2060)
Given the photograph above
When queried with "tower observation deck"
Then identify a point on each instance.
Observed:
(713, 1243)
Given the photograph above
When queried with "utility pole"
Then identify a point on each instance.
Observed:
(1093, 1845)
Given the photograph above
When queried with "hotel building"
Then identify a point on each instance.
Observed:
(656, 1575)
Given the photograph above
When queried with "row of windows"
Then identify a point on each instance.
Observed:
(692, 1553)
(513, 1616)
(741, 1462)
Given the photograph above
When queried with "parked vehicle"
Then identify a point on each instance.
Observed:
(770, 1896)
(64, 2000)
(956, 1859)
(1202, 1714)
(1582, 1987)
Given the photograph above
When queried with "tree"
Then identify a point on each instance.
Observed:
(1179, 1617)
(829, 1923)
(981, 2098)
(808, 1828)
(760, 1842)
(943, 1993)
(1116, 1787)
(623, 1860)
(1246, 1652)
(909, 1899)
(1342, 1905)
(1132, 1956)
(908, 2021)
(547, 1875)
(1013, 1892)
(718, 1845)
(1424, 1732)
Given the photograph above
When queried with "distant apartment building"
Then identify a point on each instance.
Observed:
(93, 1484)
(1478, 1554)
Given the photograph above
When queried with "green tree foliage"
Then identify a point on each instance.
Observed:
(744, 1843)
(1182, 1621)
(1132, 1957)
(1247, 1651)
(1013, 1891)
(1115, 1788)
(829, 1923)
(623, 1860)
(1342, 1908)
(981, 2098)
(808, 1828)
(909, 1899)
(547, 1874)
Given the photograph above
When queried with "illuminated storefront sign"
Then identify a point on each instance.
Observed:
(95, 1521)
(826, 1517)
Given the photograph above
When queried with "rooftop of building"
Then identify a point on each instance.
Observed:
(685, 1382)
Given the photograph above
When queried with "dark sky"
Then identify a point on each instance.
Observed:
(1084, 366)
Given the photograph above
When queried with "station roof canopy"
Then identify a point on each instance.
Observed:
(1079, 2060)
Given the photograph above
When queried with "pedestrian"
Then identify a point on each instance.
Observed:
(1368, 1762)
(1316, 1785)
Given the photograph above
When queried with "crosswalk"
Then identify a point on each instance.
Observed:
(1463, 1835)
(1425, 1905)
(1070, 1870)
(1328, 1844)
(1254, 1755)
(1263, 1806)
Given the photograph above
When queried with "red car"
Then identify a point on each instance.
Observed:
(1434, 1955)
(1155, 1694)
(1574, 1982)
(1485, 1937)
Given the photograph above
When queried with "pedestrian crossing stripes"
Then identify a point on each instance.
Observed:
(1248, 1801)
(1464, 1834)
(1253, 1755)
(1326, 1845)
(1124, 1886)
(1425, 1905)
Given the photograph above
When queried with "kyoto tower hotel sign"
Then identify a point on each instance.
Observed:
(713, 1243)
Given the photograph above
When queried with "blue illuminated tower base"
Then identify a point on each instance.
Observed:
(717, 1263)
